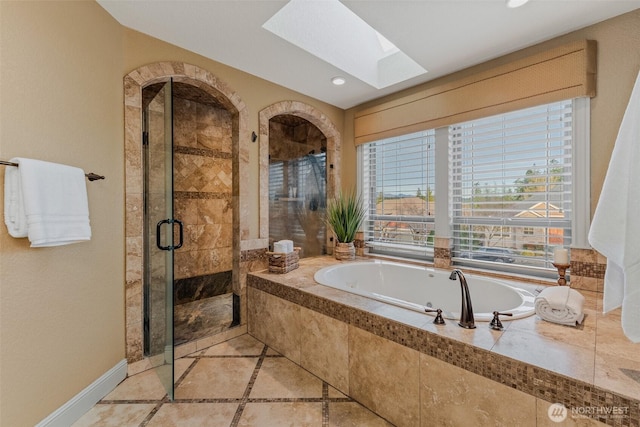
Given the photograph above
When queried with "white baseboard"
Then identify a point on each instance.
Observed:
(82, 402)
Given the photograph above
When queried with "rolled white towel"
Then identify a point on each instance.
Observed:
(560, 304)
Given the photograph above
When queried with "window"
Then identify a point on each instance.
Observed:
(398, 188)
(517, 187)
(511, 185)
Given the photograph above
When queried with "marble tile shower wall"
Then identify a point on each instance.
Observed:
(291, 142)
(203, 187)
(210, 141)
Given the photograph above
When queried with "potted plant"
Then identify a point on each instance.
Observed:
(345, 214)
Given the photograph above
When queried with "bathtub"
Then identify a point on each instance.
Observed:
(415, 288)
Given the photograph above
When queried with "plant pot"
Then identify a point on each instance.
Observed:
(344, 251)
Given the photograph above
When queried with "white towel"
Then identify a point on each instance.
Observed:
(615, 229)
(14, 216)
(55, 206)
(560, 304)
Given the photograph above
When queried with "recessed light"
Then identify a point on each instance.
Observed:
(515, 3)
(338, 81)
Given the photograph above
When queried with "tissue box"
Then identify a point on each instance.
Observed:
(283, 246)
(280, 262)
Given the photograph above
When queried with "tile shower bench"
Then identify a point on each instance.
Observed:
(399, 364)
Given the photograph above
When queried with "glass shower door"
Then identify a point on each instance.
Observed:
(159, 227)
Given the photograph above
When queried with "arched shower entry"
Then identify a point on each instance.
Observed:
(182, 128)
(299, 153)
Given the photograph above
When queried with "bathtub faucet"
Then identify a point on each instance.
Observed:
(466, 313)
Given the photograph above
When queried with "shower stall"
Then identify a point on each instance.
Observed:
(188, 216)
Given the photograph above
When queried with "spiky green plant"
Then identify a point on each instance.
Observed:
(345, 214)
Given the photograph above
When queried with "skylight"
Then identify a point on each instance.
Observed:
(332, 32)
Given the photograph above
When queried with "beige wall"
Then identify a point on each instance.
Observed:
(256, 93)
(618, 64)
(62, 308)
(61, 97)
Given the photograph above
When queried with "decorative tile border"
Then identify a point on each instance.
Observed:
(254, 255)
(441, 257)
(204, 152)
(442, 252)
(200, 195)
(535, 381)
(587, 269)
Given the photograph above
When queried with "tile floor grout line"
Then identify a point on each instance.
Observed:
(186, 372)
(325, 404)
(153, 412)
(289, 400)
(247, 391)
(128, 402)
(211, 400)
(238, 356)
(166, 399)
(341, 399)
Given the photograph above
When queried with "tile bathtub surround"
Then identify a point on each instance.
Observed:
(240, 382)
(442, 257)
(574, 366)
(446, 390)
(587, 269)
(442, 252)
(385, 377)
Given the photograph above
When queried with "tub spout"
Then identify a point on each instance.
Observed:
(466, 312)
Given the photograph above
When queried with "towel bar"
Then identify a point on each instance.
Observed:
(90, 176)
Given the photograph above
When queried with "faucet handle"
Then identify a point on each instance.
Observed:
(438, 320)
(496, 324)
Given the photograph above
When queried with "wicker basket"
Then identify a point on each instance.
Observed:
(281, 263)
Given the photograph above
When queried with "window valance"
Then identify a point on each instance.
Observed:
(565, 72)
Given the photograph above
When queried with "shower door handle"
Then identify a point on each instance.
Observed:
(181, 234)
(158, 234)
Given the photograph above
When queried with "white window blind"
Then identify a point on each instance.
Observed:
(398, 188)
(511, 186)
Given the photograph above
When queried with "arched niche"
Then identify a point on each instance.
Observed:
(133, 84)
(319, 120)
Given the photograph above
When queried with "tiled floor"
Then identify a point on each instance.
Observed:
(240, 382)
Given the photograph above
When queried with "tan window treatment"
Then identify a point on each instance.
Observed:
(565, 72)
